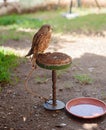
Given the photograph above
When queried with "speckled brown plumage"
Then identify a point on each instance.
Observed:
(40, 42)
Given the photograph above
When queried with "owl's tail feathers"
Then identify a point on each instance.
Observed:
(30, 52)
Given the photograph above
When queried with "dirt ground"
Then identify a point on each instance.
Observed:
(19, 110)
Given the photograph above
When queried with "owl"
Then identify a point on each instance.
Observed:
(40, 42)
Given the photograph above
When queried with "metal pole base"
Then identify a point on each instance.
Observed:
(49, 105)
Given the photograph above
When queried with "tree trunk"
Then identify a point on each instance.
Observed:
(5, 2)
(97, 4)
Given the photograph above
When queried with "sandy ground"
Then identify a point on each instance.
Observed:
(20, 110)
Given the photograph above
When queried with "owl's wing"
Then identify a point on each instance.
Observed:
(36, 40)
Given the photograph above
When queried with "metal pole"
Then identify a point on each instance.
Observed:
(71, 4)
(54, 87)
(79, 3)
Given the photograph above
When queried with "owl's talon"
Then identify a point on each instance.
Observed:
(48, 53)
(34, 66)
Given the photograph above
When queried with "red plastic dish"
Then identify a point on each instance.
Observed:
(86, 107)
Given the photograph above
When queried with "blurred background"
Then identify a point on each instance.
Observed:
(20, 6)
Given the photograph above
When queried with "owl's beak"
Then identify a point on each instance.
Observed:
(51, 29)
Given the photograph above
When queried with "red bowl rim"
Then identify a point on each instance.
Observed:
(82, 100)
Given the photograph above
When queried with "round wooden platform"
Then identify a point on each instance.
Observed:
(54, 61)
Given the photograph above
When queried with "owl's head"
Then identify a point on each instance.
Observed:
(46, 28)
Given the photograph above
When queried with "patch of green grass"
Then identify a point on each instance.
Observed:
(83, 79)
(10, 25)
(90, 22)
(11, 34)
(61, 72)
(8, 60)
(20, 21)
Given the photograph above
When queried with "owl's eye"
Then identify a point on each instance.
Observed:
(49, 27)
